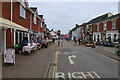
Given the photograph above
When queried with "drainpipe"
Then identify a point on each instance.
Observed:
(30, 25)
(11, 21)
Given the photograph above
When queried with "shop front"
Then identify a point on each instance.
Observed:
(33, 36)
(10, 36)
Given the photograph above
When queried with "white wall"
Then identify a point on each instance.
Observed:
(76, 33)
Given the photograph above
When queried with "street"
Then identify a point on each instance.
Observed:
(82, 63)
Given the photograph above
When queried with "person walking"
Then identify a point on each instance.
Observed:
(75, 41)
(79, 41)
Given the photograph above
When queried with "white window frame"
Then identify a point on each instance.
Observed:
(87, 27)
(113, 24)
(35, 20)
(22, 12)
(105, 26)
(97, 27)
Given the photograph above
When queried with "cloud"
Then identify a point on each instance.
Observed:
(73, 0)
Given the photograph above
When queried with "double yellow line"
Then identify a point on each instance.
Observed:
(55, 66)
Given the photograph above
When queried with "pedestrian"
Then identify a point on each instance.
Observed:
(75, 41)
(53, 40)
(79, 41)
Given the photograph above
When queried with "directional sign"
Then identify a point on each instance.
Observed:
(71, 61)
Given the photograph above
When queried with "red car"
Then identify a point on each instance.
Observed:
(90, 45)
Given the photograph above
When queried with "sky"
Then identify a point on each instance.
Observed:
(64, 15)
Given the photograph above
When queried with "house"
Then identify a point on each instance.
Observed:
(18, 22)
(107, 29)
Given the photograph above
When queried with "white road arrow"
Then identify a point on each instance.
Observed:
(71, 61)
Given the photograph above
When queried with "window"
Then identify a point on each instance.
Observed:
(105, 26)
(35, 20)
(97, 27)
(98, 38)
(114, 37)
(22, 12)
(94, 38)
(87, 28)
(113, 25)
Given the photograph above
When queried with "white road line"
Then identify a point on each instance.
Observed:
(96, 74)
(71, 61)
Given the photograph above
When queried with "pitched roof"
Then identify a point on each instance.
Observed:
(99, 18)
(34, 8)
(41, 16)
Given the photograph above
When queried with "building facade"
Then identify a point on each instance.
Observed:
(18, 14)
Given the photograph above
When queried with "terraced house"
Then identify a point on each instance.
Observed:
(18, 20)
(102, 28)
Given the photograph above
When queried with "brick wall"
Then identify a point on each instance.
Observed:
(34, 26)
(18, 19)
(6, 10)
(8, 38)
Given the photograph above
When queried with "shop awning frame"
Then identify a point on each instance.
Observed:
(4, 23)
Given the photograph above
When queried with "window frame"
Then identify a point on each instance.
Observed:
(35, 20)
(98, 28)
(22, 12)
(114, 24)
(105, 27)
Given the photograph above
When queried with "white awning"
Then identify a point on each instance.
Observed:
(5, 23)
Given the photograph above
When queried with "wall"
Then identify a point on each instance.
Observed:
(18, 19)
(6, 10)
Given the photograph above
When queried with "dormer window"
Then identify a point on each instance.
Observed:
(22, 12)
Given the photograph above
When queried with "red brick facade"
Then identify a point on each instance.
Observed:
(6, 13)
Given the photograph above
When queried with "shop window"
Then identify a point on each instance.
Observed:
(16, 37)
(22, 12)
(113, 25)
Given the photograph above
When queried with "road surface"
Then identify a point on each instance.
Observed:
(80, 62)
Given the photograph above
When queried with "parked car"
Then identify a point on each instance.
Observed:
(92, 45)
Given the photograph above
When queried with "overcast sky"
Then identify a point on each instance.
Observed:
(64, 15)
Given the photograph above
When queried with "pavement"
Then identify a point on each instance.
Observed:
(81, 62)
(0, 67)
(34, 65)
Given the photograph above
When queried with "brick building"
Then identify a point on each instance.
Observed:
(107, 29)
(23, 22)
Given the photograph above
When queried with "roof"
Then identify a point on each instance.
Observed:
(99, 18)
(34, 8)
(109, 18)
(41, 16)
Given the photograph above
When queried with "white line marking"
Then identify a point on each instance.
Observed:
(71, 61)
(95, 74)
